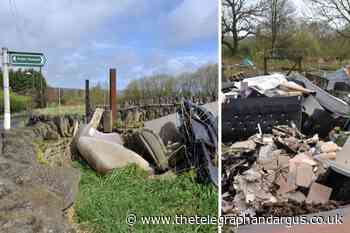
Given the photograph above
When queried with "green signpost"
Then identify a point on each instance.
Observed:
(27, 59)
(11, 58)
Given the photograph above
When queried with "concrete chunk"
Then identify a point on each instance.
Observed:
(343, 156)
(296, 196)
(283, 161)
(318, 194)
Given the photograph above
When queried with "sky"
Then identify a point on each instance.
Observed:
(82, 39)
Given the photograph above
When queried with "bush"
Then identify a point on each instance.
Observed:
(18, 103)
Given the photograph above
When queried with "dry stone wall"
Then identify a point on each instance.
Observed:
(33, 196)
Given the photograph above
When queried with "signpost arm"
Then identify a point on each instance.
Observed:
(7, 112)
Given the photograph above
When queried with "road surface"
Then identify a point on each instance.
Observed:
(16, 121)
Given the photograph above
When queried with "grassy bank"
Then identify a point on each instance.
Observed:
(104, 202)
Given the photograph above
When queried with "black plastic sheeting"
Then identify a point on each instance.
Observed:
(200, 131)
(240, 117)
(328, 101)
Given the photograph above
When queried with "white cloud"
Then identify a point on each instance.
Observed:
(171, 65)
(84, 38)
(193, 19)
(62, 24)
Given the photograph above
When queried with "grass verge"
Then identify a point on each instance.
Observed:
(105, 201)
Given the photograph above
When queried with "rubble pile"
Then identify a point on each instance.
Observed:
(194, 147)
(271, 173)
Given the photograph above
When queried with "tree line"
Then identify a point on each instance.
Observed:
(202, 82)
(252, 27)
(27, 82)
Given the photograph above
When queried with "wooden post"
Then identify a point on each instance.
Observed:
(299, 63)
(87, 100)
(113, 93)
(265, 65)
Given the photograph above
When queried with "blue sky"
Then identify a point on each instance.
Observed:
(84, 38)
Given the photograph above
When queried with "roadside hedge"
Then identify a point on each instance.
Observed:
(19, 103)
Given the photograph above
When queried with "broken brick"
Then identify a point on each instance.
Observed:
(284, 185)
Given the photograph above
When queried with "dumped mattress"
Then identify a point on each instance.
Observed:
(104, 155)
(105, 151)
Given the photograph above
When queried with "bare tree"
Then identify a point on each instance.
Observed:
(238, 21)
(336, 13)
(276, 18)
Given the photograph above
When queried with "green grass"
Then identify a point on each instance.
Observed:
(104, 202)
(62, 110)
(19, 103)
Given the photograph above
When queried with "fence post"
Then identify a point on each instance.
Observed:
(113, 93)
(87, 100)
(265, 65)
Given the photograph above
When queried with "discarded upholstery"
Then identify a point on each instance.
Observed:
(105, 151)
(169, 133)
(150, 146)
(104, 155)
(240, 117)
(155, 147)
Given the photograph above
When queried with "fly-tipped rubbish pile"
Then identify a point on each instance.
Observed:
(279, 174)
